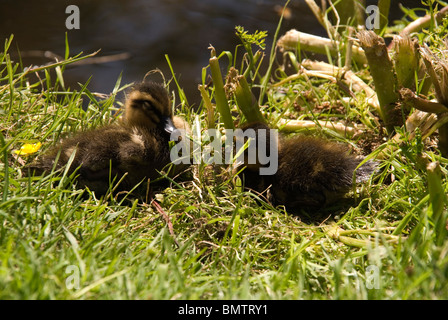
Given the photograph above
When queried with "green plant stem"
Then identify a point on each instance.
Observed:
(246, 102)
(382, 71)
(406, 61)
(220, 97)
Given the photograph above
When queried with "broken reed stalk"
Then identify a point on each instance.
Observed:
(337, 233)
(246, 102)
(321, 17)
(296, 40)
(406, 60)
(438, 72)
(382, 71)
(424, 22)
(340, 128)
(349, 77)
(410, 100)
(421, 23)
(426, 122)
(433, 63)
(220, 96)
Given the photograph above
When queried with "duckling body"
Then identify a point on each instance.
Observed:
(138, 147)
(311, 172)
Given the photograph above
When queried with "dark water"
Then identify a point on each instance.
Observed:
(146, 31)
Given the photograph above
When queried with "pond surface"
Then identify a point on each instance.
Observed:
(146, 30)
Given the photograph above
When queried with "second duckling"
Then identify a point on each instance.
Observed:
(311, 172)
(136, 149)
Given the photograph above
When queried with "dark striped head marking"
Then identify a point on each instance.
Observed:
(148, 105)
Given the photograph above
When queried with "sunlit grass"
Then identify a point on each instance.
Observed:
(58, 242)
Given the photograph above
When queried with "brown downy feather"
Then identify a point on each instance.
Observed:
(311, 172)
(137, 147)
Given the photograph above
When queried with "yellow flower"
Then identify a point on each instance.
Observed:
(28, 149)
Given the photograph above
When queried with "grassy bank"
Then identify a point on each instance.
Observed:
(57, 243)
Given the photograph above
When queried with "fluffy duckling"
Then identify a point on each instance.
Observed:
(311, 172)
(137, 147)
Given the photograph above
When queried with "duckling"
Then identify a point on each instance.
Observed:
(138, 147)
(311, 172)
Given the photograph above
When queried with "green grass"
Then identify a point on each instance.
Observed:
(56, 243)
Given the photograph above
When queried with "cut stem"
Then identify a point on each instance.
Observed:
(382, 71)
(246, 102)
(295, 40)
(295, 125)
(410, 100)
(220, 96)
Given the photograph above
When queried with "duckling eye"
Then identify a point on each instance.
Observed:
(142, 104)
(147, 105)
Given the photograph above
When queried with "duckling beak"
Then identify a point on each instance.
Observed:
(168, 125)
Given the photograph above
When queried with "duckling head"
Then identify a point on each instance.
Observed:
(148, 105)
